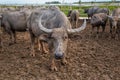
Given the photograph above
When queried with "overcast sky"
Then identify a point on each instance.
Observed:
(42, 1)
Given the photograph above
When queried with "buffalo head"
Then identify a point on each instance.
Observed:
(59, 38)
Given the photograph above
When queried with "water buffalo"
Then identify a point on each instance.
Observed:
(54, 23)
(91, 11)
(98, 20)
(103, 10)
(114, 22)
(12, 22)
(74, 17)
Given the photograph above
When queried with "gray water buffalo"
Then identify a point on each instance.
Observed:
(93, 10)
(12, 22)
(56, 26)
(98, 20)
(74, 17)
(103, 10)
(114, 20)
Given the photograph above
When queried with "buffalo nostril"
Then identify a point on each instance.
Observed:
(58, 56)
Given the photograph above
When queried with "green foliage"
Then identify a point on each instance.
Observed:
(65, 9)
(53, 2)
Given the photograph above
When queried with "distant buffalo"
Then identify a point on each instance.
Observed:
(93, 10)
(103, 10)
(98, 20)
(74, 17)
(13, 22)
(114, 20)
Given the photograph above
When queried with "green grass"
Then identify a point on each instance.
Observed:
(65, 9)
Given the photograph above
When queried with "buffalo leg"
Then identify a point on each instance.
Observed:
(98, 32)
(91, 32)
(76, 22)
(1, 43)
(111, 31)
(14, 35)
(118, 34)
(39, 45)
(103, 30)
(64, 61)
(9, 31)
(32, 45)
(43, 46)
(11, 39)
(1, 38)
(52, 59)
(53, 65)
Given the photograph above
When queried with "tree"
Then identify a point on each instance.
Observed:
(53, 2)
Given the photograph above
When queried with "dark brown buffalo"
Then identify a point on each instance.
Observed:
(56, 26)
(98, 20)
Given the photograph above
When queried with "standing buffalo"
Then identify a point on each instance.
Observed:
(98, 20)
(74, 17)
(103, 10)
(91, 11)
(115, 22)
(54, 23)
(12, 22)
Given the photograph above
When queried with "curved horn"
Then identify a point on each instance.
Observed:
(78, 29)
(43, 28)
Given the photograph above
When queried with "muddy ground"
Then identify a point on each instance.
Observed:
(88, 59)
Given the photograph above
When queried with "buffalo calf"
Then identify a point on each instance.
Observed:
(98, 20)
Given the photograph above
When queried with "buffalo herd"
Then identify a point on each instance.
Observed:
(50, 25)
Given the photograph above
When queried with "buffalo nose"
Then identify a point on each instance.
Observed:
(58, 56)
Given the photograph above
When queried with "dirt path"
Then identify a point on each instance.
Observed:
(88, 59)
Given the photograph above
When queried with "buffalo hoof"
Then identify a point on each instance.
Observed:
(64, 62)
(32, 54)
(45, 52)
(53, 68)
